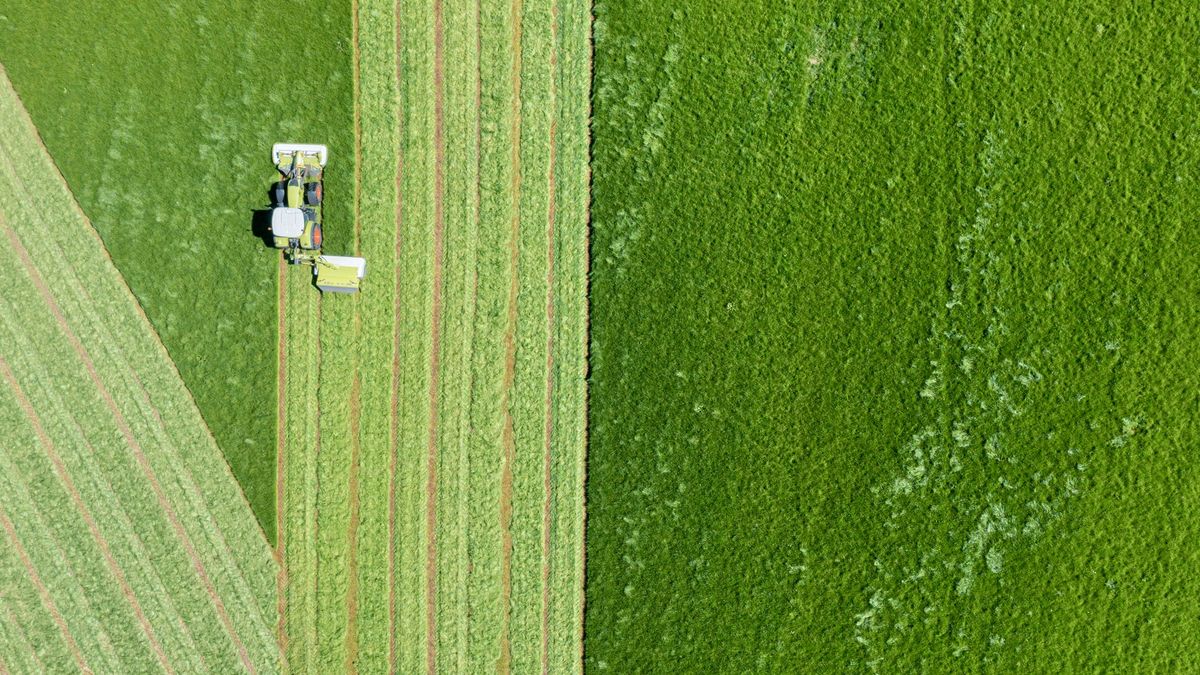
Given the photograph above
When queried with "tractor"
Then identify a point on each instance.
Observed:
(296, 217)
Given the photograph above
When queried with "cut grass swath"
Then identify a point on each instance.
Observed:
(166, 562)
(467, 512)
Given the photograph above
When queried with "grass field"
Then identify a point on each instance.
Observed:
(432, 445)
(161, 121)
(892, 331)
(127, 544)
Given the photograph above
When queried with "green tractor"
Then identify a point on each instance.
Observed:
(296, 217)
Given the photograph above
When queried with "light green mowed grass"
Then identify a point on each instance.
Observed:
(453, 383)
(892, 337)
(127, 541)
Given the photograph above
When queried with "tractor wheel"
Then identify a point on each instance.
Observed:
(312, 194)
(279, 193)
(317, 236)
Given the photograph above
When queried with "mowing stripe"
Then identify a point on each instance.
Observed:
(135, 390)
(135, 447)
(31, 468)
(547, 488)
(60, 470)
(281, 588)
(549, 410)
(349, 664)
(439, 226)
(141, 392)
(52, 185)
(55, 376)
(43, 592)
(394, 449)
(457, 312)
(568, 435)
(457, 480)
(510, 362)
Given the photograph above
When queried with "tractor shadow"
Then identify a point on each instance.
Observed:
(260, 226)
(260, 219)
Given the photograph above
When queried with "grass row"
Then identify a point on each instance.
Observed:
(460, 133)
(528, 402)
(569, 336)
(417, 267)
(301, 450)
(487, 454)
(379, 143)
(134, 450)
(28, 633)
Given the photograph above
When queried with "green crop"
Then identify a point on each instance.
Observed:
(450, 397)
(162, 123)
(126, 536)
(892, 338)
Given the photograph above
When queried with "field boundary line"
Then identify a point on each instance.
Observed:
(43, 591)
(135, 447)
(64, 477)
(581, 584)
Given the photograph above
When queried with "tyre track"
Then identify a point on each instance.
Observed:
(11, 619)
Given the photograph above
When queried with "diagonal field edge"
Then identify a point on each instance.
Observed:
(191, 489)
(134, 445)
(6, 90)
(124, 424)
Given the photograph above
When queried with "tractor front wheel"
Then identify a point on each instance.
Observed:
(312, 194)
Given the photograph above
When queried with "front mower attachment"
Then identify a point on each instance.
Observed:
(310, 149)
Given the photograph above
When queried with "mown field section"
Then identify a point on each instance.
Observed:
(433, 432)
(125, 542)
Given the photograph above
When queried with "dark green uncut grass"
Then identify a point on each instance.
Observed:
(161, 117)
(894, 318)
